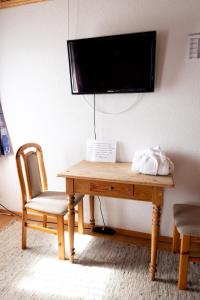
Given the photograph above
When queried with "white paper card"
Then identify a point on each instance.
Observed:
(102, 151)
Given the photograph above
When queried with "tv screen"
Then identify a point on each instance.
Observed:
(113, 64)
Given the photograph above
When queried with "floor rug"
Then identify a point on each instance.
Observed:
(103, 269)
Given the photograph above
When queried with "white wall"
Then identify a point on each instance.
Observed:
(38, 105)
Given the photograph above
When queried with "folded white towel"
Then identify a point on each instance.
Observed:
(152, 161)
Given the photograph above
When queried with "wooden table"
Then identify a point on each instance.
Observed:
(115, 180)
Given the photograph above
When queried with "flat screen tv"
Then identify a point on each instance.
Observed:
(113, 64)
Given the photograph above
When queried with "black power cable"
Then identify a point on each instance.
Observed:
(103, 229)
(101, 212)
(95, 135)
(12, 213)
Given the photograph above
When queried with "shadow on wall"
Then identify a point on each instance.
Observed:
(123, 153)
(175, 46)
(187, 174)
(161, 46)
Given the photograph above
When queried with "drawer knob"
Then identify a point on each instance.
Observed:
(110, 188)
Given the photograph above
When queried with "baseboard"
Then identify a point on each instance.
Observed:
(13, 3)
(120, 233)
(123, 235)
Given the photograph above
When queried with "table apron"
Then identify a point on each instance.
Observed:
(115, 189)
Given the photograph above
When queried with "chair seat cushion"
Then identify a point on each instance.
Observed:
(51, 202)
(187, 219)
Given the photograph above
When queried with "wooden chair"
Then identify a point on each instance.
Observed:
(187, 226)
(37, 199)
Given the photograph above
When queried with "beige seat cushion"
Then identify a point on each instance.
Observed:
(51, 202)
(187, 219)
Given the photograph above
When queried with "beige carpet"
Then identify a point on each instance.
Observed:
(104, 269)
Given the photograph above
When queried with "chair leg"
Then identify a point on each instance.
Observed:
(183, 265)
(44, 221)
(176, 241)
(80, 217)
(61, 238)
(24, 229)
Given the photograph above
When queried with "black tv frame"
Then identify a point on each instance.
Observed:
(153, 48)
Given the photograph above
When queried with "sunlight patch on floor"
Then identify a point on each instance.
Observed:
(55, 277)
(81, 241)
(50, 276)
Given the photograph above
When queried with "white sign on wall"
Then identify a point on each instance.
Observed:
(102, 151)
(194, 47)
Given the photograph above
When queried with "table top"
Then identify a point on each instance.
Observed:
(119, 172)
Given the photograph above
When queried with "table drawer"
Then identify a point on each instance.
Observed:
(104, 188)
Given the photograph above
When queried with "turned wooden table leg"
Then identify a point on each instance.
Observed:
(92, 220)
(155, 230)
(80, 217)
(71, 222)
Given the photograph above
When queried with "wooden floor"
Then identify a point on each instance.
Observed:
(5, 220)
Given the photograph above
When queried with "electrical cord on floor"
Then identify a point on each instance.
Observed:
(5, 214)
(103, 229)
(12, 213)
(9, 212)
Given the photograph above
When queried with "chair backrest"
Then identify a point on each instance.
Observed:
(31, 171)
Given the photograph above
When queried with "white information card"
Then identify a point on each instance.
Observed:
(102, 151)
